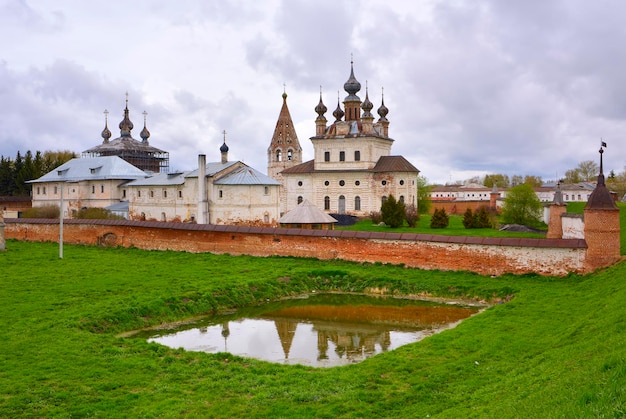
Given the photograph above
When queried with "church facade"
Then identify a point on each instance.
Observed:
(353, 171)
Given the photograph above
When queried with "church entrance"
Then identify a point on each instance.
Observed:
(342, 205)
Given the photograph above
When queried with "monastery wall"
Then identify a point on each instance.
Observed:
(484, 255)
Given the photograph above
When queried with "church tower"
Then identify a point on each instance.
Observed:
(284, 150)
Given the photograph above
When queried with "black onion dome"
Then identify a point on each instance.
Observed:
(367, 105)
(126, 126)
(106, 133)
(383, 111)
(224, 148)
(145, 134)
(352, 86)
(338, 113)
(321, 109)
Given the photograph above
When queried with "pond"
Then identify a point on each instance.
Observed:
(320, 330)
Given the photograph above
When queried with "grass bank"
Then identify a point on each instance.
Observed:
(557, 349)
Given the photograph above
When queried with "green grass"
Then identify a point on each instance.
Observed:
(557, 349)
(455, 228)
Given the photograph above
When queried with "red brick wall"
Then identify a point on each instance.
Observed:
(602, 234)
(458, 207)
(484, 255)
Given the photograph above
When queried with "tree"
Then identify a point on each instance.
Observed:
(534, 181)
(522, 206)
(411, 215)
(439, 219)
(588, 170)
(499, 180)
(572, 176)
(516, 180)
(423, 195)
(468, 218)
(393, 212)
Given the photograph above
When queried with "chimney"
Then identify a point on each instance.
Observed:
(202, 215)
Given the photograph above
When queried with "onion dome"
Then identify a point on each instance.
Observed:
(224, 147)
(145, 134)
(352, 86)
(126, 126)
(338, 113)
(383, 111)
(106, 133)
(367, 106)
(321, 109)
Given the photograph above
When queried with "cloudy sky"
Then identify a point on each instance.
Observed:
(473, 87)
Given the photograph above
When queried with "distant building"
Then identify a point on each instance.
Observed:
(138, 153)
(352, 171)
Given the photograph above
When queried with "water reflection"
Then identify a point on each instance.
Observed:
(322, 331)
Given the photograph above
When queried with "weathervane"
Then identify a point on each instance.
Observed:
(602, 147)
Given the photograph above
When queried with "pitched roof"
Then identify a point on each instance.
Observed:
(306, 167)
(306, 213)
(394, 164)
(245, 175)
(160, 179)
(92, 168)
(212, 168)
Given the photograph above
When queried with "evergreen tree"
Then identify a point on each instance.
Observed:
(439, 219)
(469, 221)
(393, 212)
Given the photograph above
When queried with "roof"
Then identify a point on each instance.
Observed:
(212, 168)
(245, 175)
(124, 144)
(161, 179)
(93, 168)
(394, 164)
(306, 213)
(119, 207)
(384, 164)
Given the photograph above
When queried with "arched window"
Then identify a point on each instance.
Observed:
(384, 199)
(289, 155)
(357, 203)
(279, 155)
(342, 204)
(402, 198)
(299, 200)
(327, 203)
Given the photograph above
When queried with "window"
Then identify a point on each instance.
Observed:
(220, 193)
(266, 218)
(326, 183)
(164, 193)
(289, 155)
(123, 193)
(326, 155)
(384, 199)
(299, 200)
(44, 190)
(151, 194)
(384, 182)
(93, 189)
(342, 183)
(163, 217)
(341, 208)
(327, 203)
(55, 190)
(279, 155)
(138, 194)
(401, 182)
(357, 155)
(357, 203)
(402, 198)
(38, 191)
(180, 194)
(267, 190)
(300, 183)
(101, 188)
(342, 156)
(357, 182)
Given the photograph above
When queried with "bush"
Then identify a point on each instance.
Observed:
(411, 215)
(439, 219)
(479, 219)
(376, 217)
(522, 206)
(393, 212)
(469, 221)
(97, 214)
(47, 211)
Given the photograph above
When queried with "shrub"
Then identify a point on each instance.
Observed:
(46, 211)
(469, 221)
(522, 206)
(483, 218)
(376, 217)
(411, 215)
(393, 212)
(97, 214)
(439, 219)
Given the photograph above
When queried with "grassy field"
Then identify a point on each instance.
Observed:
(557, 348)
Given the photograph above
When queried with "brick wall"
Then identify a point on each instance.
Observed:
(484, 255)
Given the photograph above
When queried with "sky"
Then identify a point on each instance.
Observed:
(472, 87)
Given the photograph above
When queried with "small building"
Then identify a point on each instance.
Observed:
(95, 182)
(307, 216)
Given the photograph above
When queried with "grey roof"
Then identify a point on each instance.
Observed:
(119, 207)
(306, 213)
(161, 179)
(123, 144)
(245, 175)
(384, 164)
(92, 168)
(212, 168)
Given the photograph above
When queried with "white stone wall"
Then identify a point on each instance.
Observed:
(573, 227)
(77, 195)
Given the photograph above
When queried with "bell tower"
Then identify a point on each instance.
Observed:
(284, 150)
